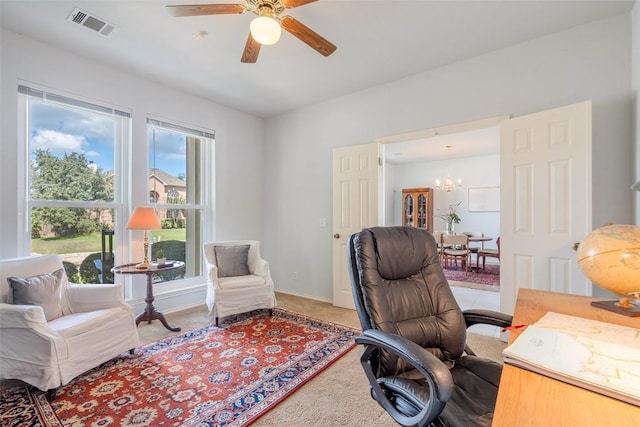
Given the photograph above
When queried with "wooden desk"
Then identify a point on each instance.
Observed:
(529, 399)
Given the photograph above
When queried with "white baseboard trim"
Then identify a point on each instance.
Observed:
(176, 300)
(185, 298)
(295, 294)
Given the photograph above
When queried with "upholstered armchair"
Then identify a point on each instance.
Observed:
(53, 330)
(238, 279)
(415, 357)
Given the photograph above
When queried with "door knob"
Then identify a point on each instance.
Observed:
(336, 236)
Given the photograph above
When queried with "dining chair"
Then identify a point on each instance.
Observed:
(474, 248)
(456, 247)
(484, 253)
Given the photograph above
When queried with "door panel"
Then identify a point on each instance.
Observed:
(545, 200)
(356, 191)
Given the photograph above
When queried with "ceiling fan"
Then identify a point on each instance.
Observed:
(266, 28)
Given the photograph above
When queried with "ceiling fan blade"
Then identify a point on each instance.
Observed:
(251, 51)
(307, 35)
(204, 9)
(295, 3)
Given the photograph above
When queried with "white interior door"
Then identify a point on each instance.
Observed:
(545, 201)
(357, 173)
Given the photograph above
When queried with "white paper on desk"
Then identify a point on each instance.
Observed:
(599, 356)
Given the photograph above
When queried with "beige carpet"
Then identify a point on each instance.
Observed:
(339, 396)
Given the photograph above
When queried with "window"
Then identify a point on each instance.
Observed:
(73, 193)
(75, 199)
(178, 185)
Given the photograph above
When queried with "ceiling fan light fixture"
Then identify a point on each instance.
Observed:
(265, 30)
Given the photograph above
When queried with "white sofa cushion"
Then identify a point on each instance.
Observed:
(81, 323)
(241, 282)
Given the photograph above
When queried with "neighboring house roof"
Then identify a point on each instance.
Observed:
(166, 178)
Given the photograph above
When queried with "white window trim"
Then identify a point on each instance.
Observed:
(28, 90)
(207, 198)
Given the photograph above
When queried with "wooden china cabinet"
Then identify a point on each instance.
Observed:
(417, 208)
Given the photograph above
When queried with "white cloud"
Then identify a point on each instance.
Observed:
(57, 142)
(92, 126)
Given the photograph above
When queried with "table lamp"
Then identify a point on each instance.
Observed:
(144, 218)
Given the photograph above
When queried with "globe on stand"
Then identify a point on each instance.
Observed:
(610, 257)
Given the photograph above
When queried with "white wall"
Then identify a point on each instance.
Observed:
(239, 153)
(392, 200)
(588, 62)
(635, 83)
(475, 172)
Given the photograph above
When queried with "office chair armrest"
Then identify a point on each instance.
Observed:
(486, 317)
(436, 373)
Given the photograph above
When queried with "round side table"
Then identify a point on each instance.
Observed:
(150, 313)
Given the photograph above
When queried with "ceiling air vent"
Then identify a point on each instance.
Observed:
(99, 25)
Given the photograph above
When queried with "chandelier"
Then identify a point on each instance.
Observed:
(448, 184)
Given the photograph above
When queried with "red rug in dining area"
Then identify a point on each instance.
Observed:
(210, 376)
(489, 277)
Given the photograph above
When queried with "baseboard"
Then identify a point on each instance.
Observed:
(174, 300)
(193, 296)
(295, 294)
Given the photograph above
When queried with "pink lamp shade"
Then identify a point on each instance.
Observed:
(144, 218)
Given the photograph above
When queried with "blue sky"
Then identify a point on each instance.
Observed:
(66, 130)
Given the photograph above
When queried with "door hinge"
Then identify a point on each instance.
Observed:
(379, 161)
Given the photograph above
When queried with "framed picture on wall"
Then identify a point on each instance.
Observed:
(484, 199)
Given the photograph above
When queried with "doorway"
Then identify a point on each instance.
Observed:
(545, 204)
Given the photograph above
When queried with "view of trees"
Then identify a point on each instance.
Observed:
(71, 177)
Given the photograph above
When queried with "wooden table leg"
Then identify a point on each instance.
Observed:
(150, 313)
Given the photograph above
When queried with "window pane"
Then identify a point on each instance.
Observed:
(168, 166)
(175, 187)
(72, 190)
(180, 244)
(87, 253)
(72, 153)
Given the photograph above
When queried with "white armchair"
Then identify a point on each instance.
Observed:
(238, 279)
(94, 324)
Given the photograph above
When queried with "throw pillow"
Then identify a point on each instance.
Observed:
(232, 260)
(42, 290)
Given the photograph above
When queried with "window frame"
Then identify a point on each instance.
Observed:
(29, 93)
(126, 189)
(207, 187)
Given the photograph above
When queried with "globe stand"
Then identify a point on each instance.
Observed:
(623, 307)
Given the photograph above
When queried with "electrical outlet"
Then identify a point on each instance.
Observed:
(294, 275)
(323, 222)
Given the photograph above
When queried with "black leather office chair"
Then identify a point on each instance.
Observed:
(415, 355)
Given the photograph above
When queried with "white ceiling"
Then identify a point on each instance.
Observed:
(378, 41)
(479, 142)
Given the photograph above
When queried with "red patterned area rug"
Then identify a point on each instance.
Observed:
(210, 376)
(488, 279)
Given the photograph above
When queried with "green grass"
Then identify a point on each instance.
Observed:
(93, 242)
